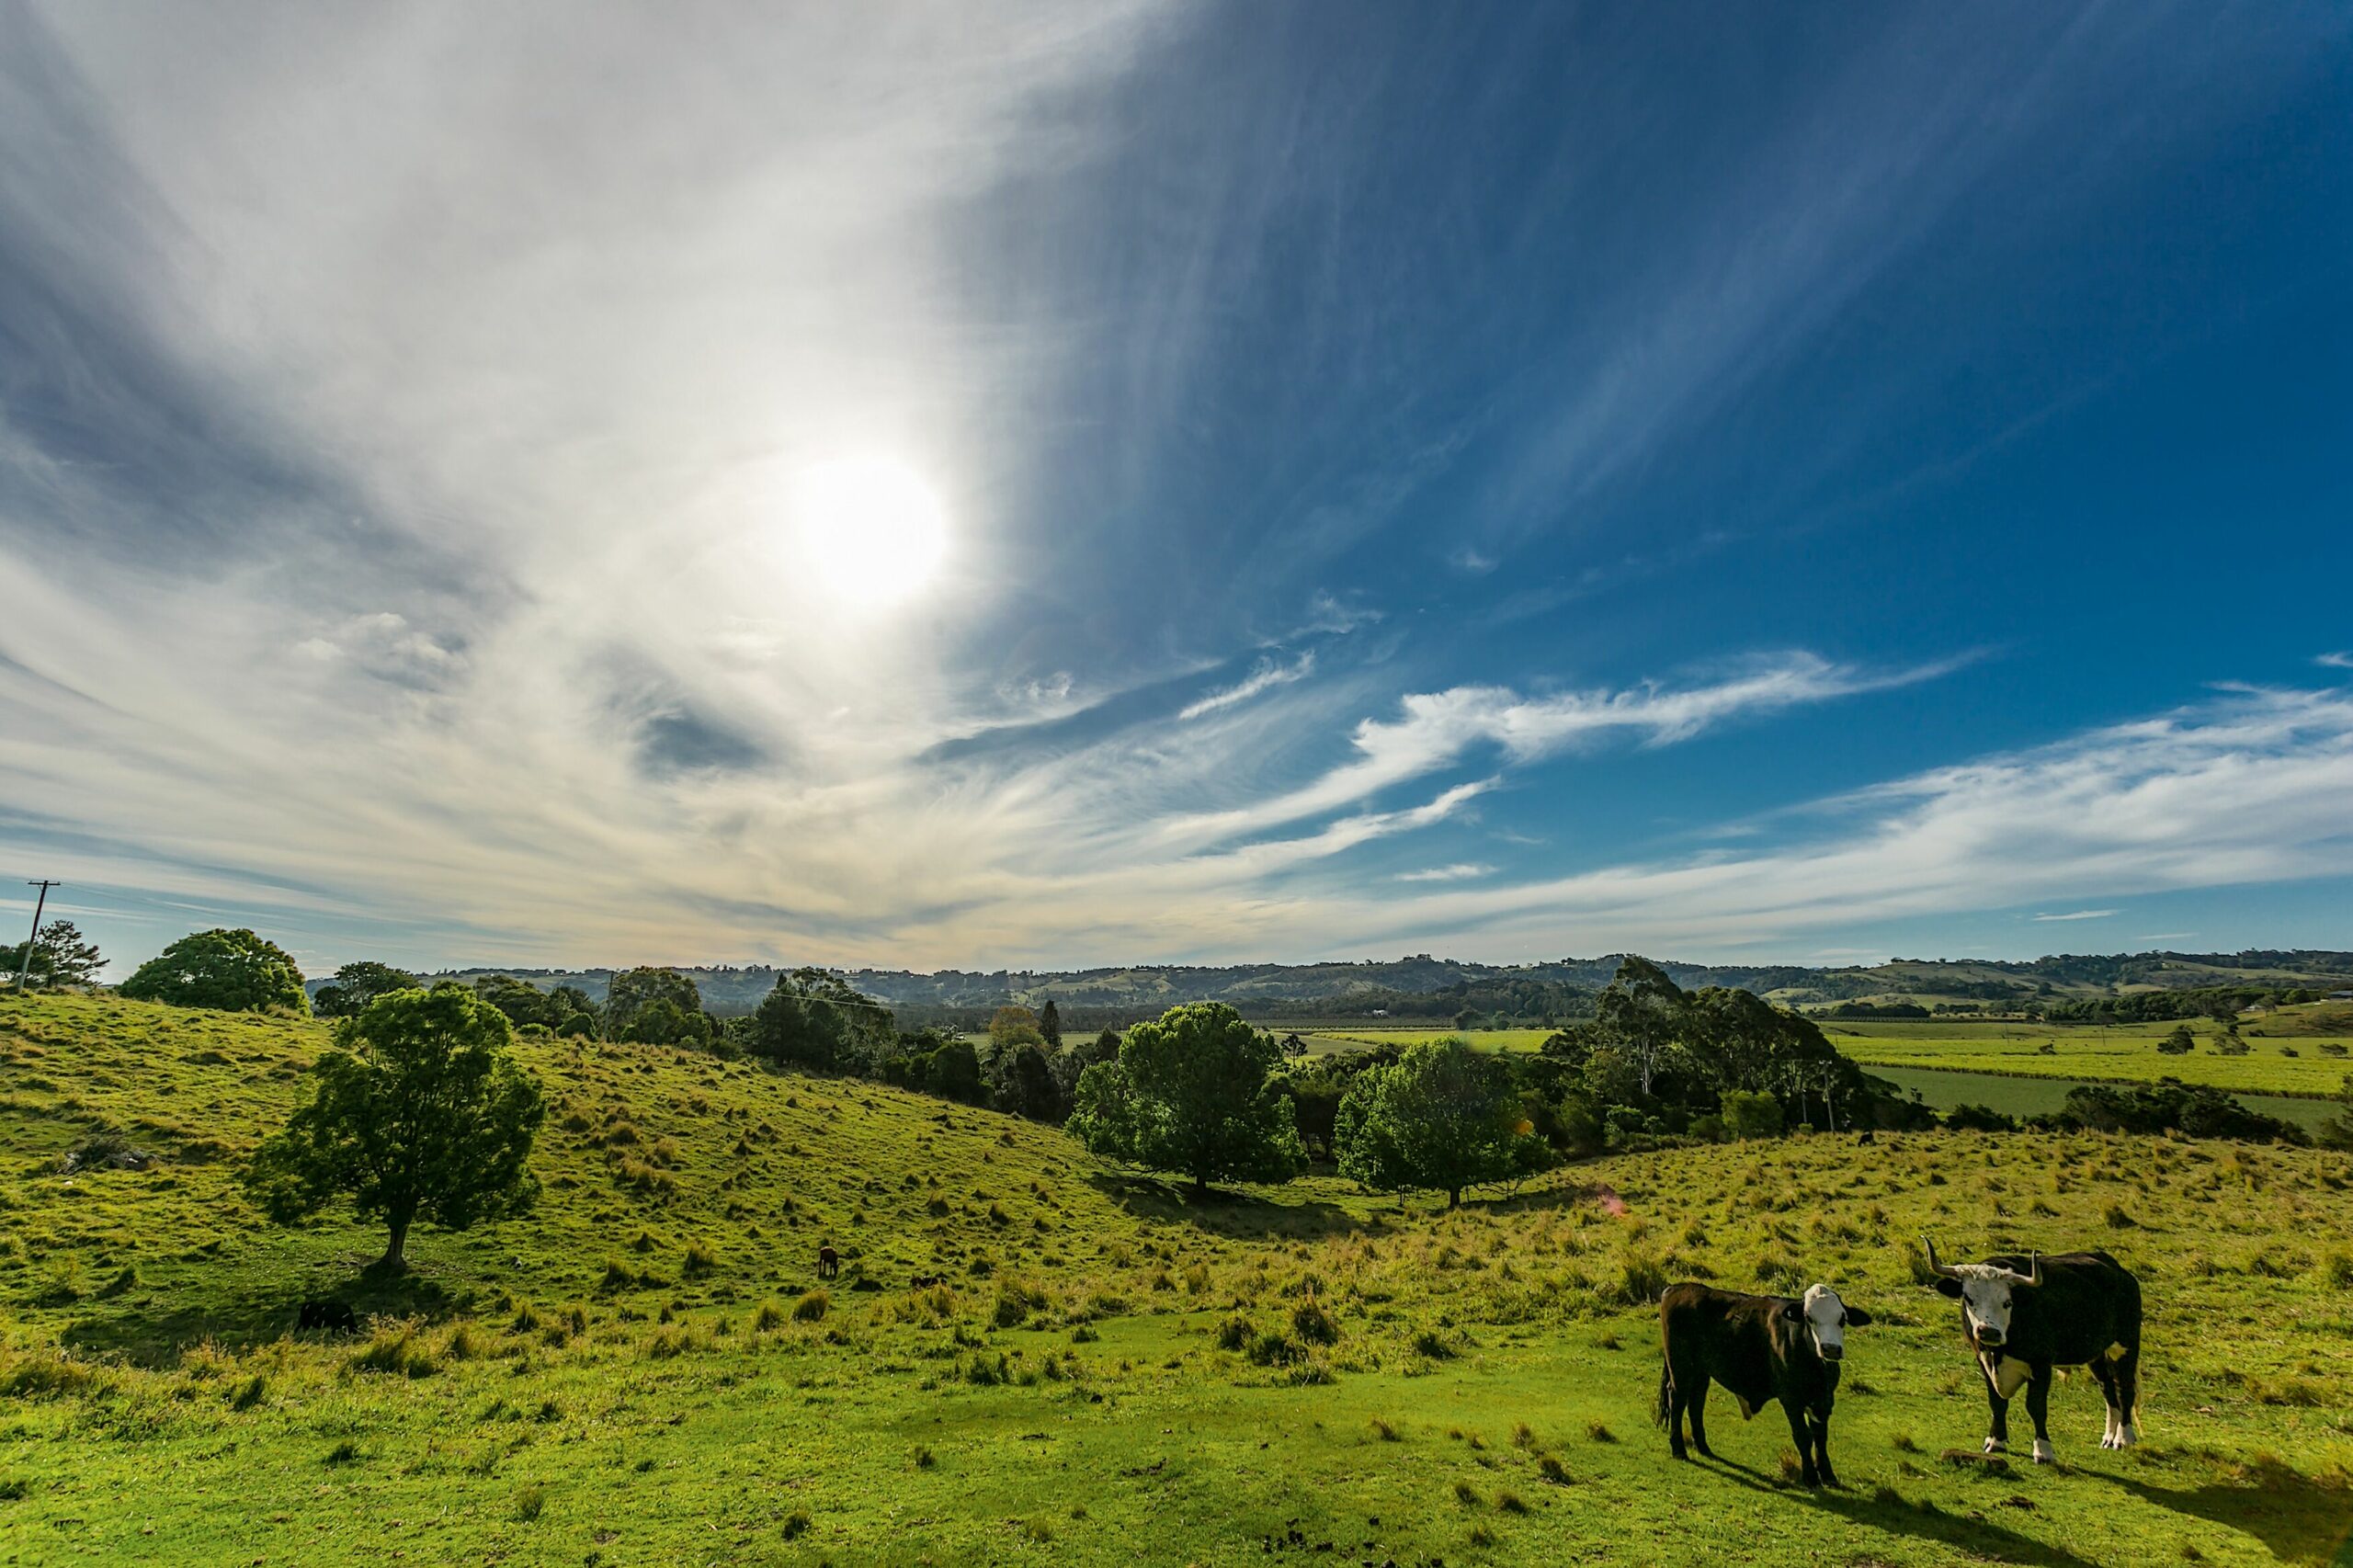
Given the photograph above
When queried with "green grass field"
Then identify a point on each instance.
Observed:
(2120, 1053)
(638, 1374)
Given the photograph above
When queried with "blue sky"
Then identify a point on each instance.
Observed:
(1733, 483)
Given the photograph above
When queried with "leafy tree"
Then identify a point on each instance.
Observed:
(1071, 1063)
(61, 957)
(817, 1021)
(420, 1113)
(233, 971)
(1023, 1082)
(2180, 1042)
(524, 1003)
(1049, 1026)
(636, 988)
(935, 1061)
(1016, 1026)
(1189, 1093)
(1446, 1117)
(357, 984)
(663, 1022)
(1751, 1115)
(1641, 1013)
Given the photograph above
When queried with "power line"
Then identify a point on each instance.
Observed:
(25, 969)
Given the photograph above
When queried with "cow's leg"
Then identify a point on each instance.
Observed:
(1997, 1434)
(2128, 1397)
(1807, 1474)
(2038, 1406)
(1699, 1419)
(2112, 1427)
(1822, 1448)
(1674, 1398)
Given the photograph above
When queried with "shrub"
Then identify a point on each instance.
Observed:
(1274, 1348)
(1751, 1115)
(530, 1504)
(700, 1260)
(1314, 1324)
(1235, 1333)
(812, 1308)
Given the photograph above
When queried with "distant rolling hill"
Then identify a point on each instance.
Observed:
(1421, 985)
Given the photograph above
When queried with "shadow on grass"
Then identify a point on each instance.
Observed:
(2298, 1518)
(1885, 1510)
(147, 1337)
(1244, 1215)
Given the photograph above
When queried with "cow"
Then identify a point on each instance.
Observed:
(332, 1316)
(829, 1262)
(2023, 1316)
(1761, 1349)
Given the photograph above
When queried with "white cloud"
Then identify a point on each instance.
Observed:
(2341, 661)
(1263, 676)
(1461, 871)
(2079, 915)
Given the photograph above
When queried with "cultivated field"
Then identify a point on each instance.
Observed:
(635, 1374)
(2116, 1054)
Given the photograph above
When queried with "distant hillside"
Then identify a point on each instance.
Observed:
(1092, 997)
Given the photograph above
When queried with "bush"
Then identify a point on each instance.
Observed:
(1314, 1324)
(1751, 1115)
(813, 1307)
(1980, 1118)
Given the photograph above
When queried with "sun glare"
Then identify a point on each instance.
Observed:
(872, 529)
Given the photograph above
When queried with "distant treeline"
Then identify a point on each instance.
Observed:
(2222, 1003)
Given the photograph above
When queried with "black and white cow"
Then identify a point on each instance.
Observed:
(2023, 1316)
(1761, 1349)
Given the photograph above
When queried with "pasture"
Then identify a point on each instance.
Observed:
(640, 1372)
(2104, 1053)
(1943, 1089)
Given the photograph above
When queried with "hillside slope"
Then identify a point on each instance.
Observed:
(1110, 1375)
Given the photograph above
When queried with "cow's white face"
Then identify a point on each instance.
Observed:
(1987, 1292)
(1827, 1319)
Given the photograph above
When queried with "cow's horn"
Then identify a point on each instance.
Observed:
(2035, 1274)
(1942, 1271)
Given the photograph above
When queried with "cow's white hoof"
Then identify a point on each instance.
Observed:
(2042, 1453)
(1996, 1446)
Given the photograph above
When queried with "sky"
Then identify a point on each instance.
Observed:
(1029, 486)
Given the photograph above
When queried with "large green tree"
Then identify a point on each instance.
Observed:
(1444, 1118)
(636, 988)
(357, 984)
(1641, 1014)
(1189, 1093)
(61, 957)
(233, 971)
(421, 1113)
(815, 1019)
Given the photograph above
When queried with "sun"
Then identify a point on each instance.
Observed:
(870, 529)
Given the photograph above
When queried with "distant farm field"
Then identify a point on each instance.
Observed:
(2014, 1095)
(2123, 1053)
(642, 1372)
(1357, 1037)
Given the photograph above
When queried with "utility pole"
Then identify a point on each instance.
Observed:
(25, 969)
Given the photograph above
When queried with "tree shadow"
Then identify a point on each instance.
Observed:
(1883, 1510)
(2298, 1518)
(155, 1339)
(1226, 1212)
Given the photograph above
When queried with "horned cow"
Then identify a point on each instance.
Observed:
(2024, 1316)
(1761, 1349)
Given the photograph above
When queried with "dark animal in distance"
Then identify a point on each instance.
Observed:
(863, 1283)
(829, 1262)
(2024, 1316)
(335, 1317)
(1761, 1349)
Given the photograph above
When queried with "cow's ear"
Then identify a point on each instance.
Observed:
(1793, 1311)
(1947, 1286)
(1857, 1318)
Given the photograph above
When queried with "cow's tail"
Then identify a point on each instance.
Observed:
(1664, 1411)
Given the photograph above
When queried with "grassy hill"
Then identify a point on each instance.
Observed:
(638, 1374)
